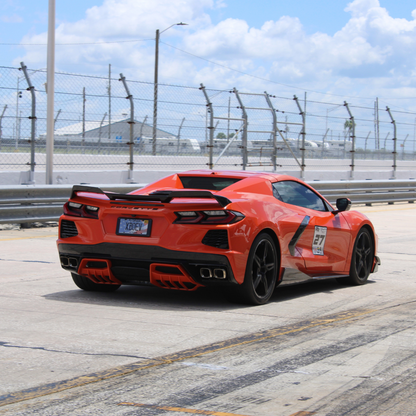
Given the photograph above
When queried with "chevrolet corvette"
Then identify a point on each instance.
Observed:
(243, 232)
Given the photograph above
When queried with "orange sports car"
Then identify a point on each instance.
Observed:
(244, 232)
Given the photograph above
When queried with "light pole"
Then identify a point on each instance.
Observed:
(155, 83)
(50, 83)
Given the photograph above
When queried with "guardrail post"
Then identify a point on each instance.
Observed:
(244, 137)
(211, 128)
(131, 122)
(394, 142)
(352, 139)
(31, 88)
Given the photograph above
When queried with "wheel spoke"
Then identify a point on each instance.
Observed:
(359, 268)
(266, 246)
(265, 284)
(257, 281)
(269, 266)
(257, 260)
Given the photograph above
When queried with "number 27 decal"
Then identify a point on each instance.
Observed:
(319, 238)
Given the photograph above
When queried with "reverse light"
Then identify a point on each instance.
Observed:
(208, 217)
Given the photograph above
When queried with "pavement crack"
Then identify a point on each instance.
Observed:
(29, 261)
(9, 345)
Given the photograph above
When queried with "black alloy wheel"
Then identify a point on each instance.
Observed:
(261, 271)
(362, 259)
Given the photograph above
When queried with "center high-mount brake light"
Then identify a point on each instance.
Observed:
(79, 210)
(208, 217)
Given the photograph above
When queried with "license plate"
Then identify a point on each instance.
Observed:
(134, 226)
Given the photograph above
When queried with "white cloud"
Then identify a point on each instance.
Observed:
(370, 49)
(14, 18)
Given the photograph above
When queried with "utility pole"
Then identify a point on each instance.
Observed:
(109, 103)
(50, 83)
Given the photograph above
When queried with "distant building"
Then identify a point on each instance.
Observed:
(117, 132)
(106, 135)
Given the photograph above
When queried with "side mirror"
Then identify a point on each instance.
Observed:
(343, 204)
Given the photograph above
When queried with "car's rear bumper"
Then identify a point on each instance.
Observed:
(146, 264)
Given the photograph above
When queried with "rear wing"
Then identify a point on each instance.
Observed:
(157, 196)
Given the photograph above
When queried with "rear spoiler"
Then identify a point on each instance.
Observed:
(157, 196)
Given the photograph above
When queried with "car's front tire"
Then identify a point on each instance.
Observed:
(261, 272)
(86, 284)
(362, 259)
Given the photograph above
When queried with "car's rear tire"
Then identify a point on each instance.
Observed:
(86, 284)
(361, 260)
(261, 272)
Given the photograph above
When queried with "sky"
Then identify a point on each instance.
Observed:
(331, 49)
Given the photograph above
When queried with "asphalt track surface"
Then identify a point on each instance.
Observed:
(315, 349)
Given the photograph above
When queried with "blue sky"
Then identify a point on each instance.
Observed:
(359, 48)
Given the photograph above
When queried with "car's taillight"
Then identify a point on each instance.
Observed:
(78, 210)
(208, 217)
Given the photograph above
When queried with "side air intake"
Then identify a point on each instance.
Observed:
(68, 229)
(216, 238)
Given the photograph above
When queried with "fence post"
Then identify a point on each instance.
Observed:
(353, 140)
(211, 127)
(83, 121)
(131, 122)
(394, 142)
(303, 133)
(269, 103)
(179, 134)
(33, 125)
(323, 143)
(244, 137)
(99, 133)
(1, 119)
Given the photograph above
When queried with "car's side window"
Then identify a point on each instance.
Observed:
(295, 193)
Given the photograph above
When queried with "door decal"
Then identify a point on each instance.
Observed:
(319, 238)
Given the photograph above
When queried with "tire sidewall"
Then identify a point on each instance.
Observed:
(353, 271)
(247, 285)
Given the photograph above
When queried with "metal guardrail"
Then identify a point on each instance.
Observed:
(28, 203)
(369, 191)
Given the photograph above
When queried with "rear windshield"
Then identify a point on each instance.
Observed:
(206, 182)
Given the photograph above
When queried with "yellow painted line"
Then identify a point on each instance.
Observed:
(303, 414)
(180, 409)
(28, 238)
(179, 356)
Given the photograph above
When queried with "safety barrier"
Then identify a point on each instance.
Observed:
(27, 203)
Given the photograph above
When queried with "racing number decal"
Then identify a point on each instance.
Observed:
(319, 238)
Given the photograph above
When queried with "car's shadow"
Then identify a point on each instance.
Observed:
(212, 299)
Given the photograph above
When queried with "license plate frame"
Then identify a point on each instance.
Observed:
(134, 227)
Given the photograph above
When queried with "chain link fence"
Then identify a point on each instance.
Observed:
(197, 127)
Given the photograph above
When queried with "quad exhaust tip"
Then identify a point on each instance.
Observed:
(208, 273)
(69, 262)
